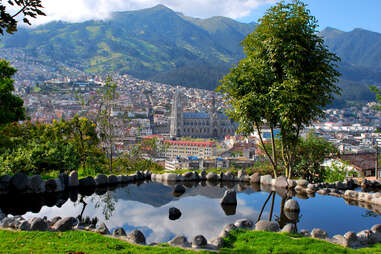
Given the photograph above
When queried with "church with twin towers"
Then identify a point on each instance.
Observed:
(210, 124)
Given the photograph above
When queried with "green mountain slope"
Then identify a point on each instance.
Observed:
(143, 43)
(162, 45)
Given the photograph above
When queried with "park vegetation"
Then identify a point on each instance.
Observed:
(285, 81)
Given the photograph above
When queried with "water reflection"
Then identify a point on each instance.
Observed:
(145, 207)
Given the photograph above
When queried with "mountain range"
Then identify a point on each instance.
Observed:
(162, 45)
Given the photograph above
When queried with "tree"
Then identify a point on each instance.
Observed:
(104, 119)
(310, 154)
(27, 8)
(11, 106)
(286, 79)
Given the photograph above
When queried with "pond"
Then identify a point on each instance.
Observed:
(145, 207)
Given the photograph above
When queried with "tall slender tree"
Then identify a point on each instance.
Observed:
(285, 81)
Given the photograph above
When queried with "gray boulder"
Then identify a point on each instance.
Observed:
(87, 182)
(179, 189)
(218, 242)
(301, 182)
(255, 178)
(376, 229)
(229, 198)
(169, 177)
(289, 228)
(101, 179)
(266, 179)
(244, 223)
(291, 205)
(366, 237)
(319, 233)
(229, 227)
(35, 184)
(24, 226)
(189, 176)
(38, 224)
(351, 240)
(54, 220)
(6, 222)
(203, 175)
(5, 181)
(264, 225)
(174, 213)
(291, 183)
(118, 232)
(228, 177)
(180, 241)
(199, 241)
(19, 182)
(64, 178)
(2, 215)
(281, 182)
(211, 176)
(59, 185)
(112, 179)
(64, 224)
(102, 229)
(73, 179)
(137, 237)
(51, 185)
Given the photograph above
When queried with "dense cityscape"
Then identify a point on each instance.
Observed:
(143, 110)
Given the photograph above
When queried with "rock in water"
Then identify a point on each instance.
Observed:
(292, 205)
(229, 198)
(179, 190)
(174, 213)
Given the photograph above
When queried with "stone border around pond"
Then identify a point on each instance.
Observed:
(362, 239)
(20, 183)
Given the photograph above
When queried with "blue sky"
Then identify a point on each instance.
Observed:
(341, 14)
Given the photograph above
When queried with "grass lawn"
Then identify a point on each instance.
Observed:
(241, 241)
(72, 242)
(244, 241)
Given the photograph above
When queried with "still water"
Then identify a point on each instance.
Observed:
(145, 207)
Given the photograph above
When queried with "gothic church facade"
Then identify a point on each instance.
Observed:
(199, 124)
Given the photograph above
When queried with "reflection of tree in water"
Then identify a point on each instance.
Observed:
(370, 214)
(106, 202)
(285, 217)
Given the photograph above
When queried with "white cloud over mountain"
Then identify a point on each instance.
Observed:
(80, 10)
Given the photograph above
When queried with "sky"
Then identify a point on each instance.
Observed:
(341, 14)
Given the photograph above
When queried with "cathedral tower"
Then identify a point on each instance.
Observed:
(177, 116)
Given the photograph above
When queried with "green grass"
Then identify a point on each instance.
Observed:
(240, 241)
(72, 241)
(244, 241)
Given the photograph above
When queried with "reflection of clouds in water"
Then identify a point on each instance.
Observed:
(200, 215)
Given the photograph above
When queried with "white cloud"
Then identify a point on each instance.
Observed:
(80, 10)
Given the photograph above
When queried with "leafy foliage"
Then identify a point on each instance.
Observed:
(27, 8)
(310, 154)
(285, 81)
(38, 148)
(11, 106)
